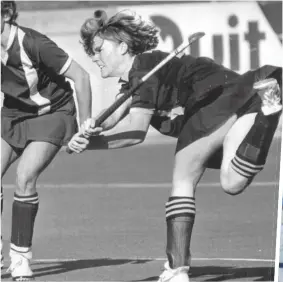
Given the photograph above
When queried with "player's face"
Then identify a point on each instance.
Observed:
(107, 56)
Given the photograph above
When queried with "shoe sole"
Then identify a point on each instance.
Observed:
(23, 278)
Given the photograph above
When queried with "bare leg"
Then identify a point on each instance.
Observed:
(8, 156)
(247, 144)
(35, 158)
(180, 208)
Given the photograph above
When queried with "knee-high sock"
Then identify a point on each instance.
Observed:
(23, 217)
(252, 153)
(180, 216)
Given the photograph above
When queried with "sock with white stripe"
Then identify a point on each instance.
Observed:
(23, 217)
(180, 217)
(252, 153)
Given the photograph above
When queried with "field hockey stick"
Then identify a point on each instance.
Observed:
(110, 110)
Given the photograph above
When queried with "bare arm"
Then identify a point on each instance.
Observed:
(130, 131)
(83, 89)
(118, 115)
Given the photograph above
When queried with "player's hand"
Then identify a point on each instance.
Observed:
(78, 143)
(89, 128)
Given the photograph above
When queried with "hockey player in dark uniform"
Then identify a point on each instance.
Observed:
(222, 120)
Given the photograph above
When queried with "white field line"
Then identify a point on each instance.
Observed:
(58, 260)
(130, 185)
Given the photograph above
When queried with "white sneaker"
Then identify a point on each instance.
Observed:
(20, 266)
(269, 92)
(179, 274)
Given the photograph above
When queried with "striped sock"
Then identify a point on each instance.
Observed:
(245, 167)
(23, 217)
(180, 217)
(252, 153)
(180, 206)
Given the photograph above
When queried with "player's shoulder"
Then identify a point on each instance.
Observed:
(33, 40)
(148, 60)
(30, 33)
(32, 37)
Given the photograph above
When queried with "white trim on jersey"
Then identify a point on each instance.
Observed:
(66, 66)
(32, 78)
(12, 35)
(4, 57)
(142, 110)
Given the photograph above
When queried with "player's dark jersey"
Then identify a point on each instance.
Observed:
(179, 83)
(31, 73)
(189, 97)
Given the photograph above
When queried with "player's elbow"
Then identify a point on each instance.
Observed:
(137, 141)
(82, 77)
(138, 138)
(77, 73)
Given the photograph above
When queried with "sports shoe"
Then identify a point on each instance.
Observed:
(269, 92)
(179, 274)
(20, 266)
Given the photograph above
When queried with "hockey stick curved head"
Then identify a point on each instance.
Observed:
(195, 36)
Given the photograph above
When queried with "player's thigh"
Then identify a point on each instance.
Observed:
(232, 141)
(190, 160)
(188, 168)
(8, 156)
(35, 158)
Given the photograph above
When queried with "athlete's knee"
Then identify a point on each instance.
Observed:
(232, 189)
(233, 185)
(25, 182)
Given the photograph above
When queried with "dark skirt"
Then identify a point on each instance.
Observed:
(18, 128)
(205, 112)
